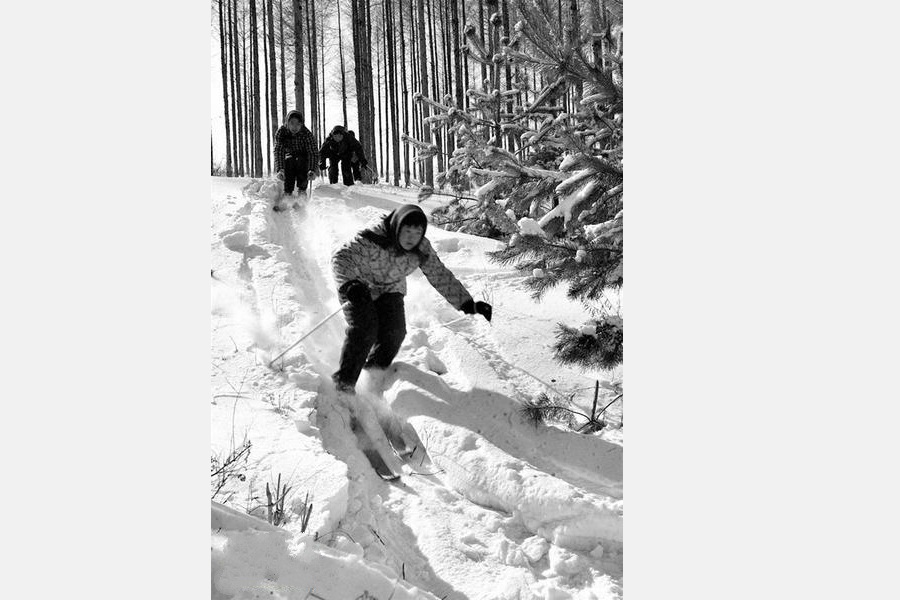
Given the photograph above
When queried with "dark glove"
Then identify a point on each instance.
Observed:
(482, 308)
(357, 291)
(321, 165)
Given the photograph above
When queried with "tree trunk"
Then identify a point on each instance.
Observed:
(343, 71)
(574, 42)
(224, 61)
(363, 75)
(378, 111)
(313, 66)
(510, 138)
(414, 72)
(248, 122)
(273, 76)
(482, 23)
(405, 93)
(266, 87)
(392, 71)
(283, 74)
(448, 71)
(235, 86)
(464, 58)
(257, 129)
(299, 99)
(423, 80)
(435, 92)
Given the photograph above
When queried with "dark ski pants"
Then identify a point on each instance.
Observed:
(357, 171)
(375, 331)
(346, 172)
(295, 171)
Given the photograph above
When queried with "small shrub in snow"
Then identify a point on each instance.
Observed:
(225, 469)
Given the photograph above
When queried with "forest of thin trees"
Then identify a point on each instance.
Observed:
(388, 63)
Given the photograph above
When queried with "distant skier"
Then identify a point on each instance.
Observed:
(358, 160)
(296, 154)
(371, 272)
(337, 149)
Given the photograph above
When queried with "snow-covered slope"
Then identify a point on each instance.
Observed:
(507, 511)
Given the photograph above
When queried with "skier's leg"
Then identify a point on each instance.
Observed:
(332, 170)
(362, 330)
(290, 174)
(347, 172)
(391, 330)
(302, 181)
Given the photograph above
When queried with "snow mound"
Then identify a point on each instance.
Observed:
(251, 559)
(547, 506)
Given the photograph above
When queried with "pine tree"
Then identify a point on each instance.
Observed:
(557, 201)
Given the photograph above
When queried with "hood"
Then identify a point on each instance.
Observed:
(396, 217)
(338, 129)
(293, 113)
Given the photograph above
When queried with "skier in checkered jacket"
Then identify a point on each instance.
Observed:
(296, 153)
(371, 272)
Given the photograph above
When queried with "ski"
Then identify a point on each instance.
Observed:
(368, 448)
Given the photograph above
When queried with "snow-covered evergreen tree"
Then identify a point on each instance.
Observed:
(555, 193)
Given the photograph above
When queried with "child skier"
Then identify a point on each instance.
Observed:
(337, 149)
(296, 154)
(370, 272)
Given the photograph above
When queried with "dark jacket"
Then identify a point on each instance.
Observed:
(299, 145)
(357, 149)
(334, 149)
(374, 258)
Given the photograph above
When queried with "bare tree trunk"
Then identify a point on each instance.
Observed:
(574, 40)
(435, 92)
(236, 108)
(494, 42)
(378, 112)
(343, 71)
(283, 75)
(248, 121)
(265, 91)
(464, 58)
(482, 23)
(448, 70)
(405, 93)
(299, 96)
(459, 90)
(322, 86)
(257, 129)
(392, 72)
(414, 72)
(363, 76)
(423, 80)
(313, 66)
(510, 138)
(224, 61)
(273, 76)
(212, 162)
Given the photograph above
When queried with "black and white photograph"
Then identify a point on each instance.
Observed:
(416, 296)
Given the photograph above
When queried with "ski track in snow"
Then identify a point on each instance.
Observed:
(533, 512)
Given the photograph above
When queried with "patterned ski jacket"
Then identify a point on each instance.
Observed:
(374, 258)
(300, 144)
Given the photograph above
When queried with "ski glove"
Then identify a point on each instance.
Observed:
(482, 308)
(356, 291)
(280, 175)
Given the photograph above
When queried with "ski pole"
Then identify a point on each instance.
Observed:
(307, 334)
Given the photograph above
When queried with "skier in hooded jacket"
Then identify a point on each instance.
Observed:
(296, 154)
(338, 149)
(370, 272)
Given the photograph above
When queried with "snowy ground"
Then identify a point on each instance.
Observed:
(510, 511)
